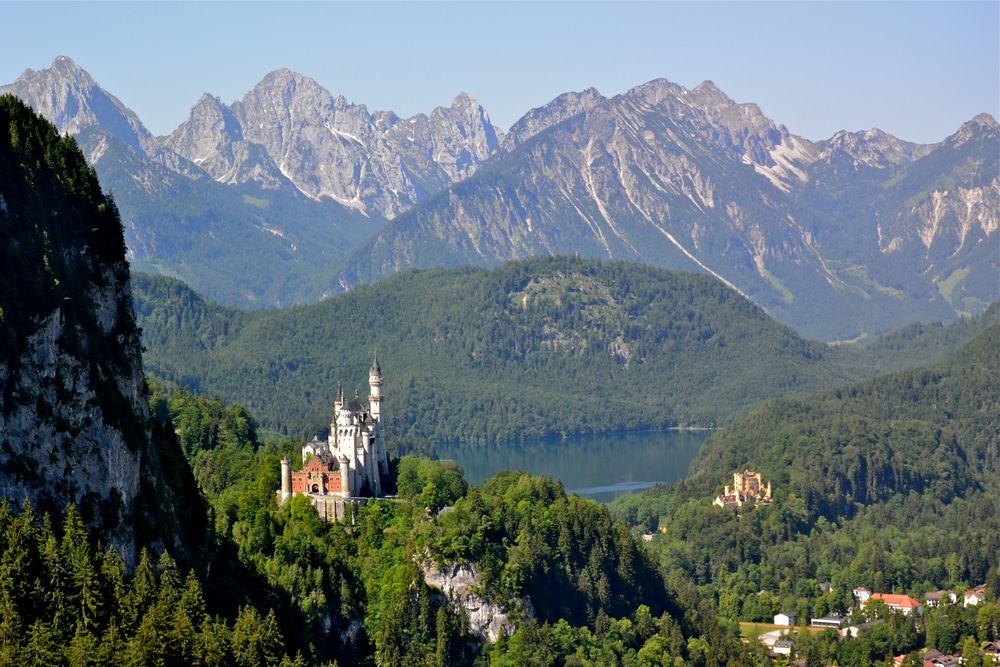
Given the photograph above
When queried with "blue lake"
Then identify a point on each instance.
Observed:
(601, 467)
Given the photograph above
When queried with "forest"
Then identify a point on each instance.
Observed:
(300, 591)
(533, 348)
(891, 485)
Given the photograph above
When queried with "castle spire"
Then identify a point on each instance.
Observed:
(375, 370)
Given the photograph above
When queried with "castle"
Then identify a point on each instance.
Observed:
(747, 485)
(340, 474)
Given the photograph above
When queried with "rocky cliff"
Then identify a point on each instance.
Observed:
(460, 584)
(74, 421)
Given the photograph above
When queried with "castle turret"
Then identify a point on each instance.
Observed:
(345, 477)
(375, 390)
(286, 479)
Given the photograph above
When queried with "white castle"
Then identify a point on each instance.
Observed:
(352, 462)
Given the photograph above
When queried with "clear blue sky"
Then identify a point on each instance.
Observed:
(915, 69)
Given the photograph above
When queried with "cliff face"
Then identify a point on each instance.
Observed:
(74, 420)
(461, 584)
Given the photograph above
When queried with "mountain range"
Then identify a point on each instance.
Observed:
(292, 194)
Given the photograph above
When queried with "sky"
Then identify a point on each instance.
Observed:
(915, 69)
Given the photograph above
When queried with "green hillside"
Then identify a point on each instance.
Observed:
(535, 347)
(532, 348)
(892, 484)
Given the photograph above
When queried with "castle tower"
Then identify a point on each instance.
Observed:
(286, 479)
(375, 390)
(345, 477)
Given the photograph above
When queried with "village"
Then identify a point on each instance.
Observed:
(869, 610)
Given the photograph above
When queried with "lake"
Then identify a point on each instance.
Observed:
(601, 467)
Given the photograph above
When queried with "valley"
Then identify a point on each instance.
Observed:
(632, 377)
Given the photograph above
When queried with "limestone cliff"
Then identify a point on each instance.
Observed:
(74, 420)
(460, 583)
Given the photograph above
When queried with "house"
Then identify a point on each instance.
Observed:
(785, 618)
(974, 596)
(935, 658)
(769, 638)
(903, 603)
(782, 647)
(855, 630)
(825, 587)
(992, 649)
(861, 595)
(935, 598)
(832, 621)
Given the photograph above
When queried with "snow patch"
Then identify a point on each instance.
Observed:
(789, 157)
(343, 135)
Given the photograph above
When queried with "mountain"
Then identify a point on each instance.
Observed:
(74, 422)
(535, 347)
(842, 238)
(256, 243)
(877, 230)
(289, 126)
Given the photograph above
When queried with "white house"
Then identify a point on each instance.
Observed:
(974, 596)
(785, 618)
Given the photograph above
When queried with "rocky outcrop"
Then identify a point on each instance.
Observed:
(211, 138)
(74, 420)
(57, 442)
(542, 118)
(460, 583)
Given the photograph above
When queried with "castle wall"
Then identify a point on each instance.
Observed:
(338, 510)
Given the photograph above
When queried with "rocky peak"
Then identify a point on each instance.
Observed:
(209, 125)
(68, 97)
(982, 124)
(871, 148)
(707, 90)
(376, 162)
(465, 101)
(541, 118)
(68, 70)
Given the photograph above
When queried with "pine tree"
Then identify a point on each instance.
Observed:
(42, 647)
(82, 649)
(192, 599)
(84, 594)
(115, 590)
(141, 594)
(10, 630)
(51, 585)
(214, 643)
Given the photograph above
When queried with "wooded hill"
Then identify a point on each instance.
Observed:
(892, 484)
(532, 348)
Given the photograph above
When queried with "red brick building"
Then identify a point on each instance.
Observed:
(318, 476)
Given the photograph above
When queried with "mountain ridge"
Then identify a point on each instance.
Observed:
(691, 179)
(680, 178)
